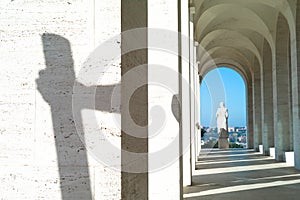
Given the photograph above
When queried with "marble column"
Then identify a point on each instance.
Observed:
(134, 177)
(257, 105)
(192, 92)
(296, 89)
(185, 94)
(165, 144)
(196, 103)
(281, 91)
(267, 100)
(250, 136)
(197, 110)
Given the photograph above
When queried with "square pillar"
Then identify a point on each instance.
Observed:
(196, 112)
(295, 58)
(250, 144)
(134, 109)
(257, 109)
(281, 91)
(152, 95)
(192, 92)
(267, 100)
(185, 94)
(164, 97)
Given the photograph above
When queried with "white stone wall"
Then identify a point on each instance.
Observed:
(41, 156)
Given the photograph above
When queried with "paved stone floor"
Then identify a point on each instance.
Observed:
(242, 174)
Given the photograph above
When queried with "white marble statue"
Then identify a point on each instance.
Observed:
(222, 116)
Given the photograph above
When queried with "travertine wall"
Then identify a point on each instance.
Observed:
(43, 46)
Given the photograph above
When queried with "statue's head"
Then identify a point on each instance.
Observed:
(222, 104)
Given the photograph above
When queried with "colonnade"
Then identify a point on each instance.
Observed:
(272, 79)
(170, 153)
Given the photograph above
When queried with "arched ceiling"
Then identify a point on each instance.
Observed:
(225, 53)
(233, 17)
(230, 63)
(233, 31)
(233, 39)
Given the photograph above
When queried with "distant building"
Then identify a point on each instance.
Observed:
(231, 129)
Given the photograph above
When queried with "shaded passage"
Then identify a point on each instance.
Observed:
(238, 173)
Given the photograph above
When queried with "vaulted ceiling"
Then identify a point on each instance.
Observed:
(233, 32)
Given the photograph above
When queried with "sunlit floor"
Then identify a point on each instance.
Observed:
(242, 174)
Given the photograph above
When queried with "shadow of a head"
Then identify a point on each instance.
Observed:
(58, 77)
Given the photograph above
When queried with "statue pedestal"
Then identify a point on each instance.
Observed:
(223, 140)
(223, 143)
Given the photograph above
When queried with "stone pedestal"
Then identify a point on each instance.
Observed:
(223, 139)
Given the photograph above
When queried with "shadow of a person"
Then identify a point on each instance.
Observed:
(55, 83)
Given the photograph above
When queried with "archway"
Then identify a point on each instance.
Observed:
(227, 85)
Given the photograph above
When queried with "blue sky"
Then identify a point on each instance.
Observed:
(223, 84)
